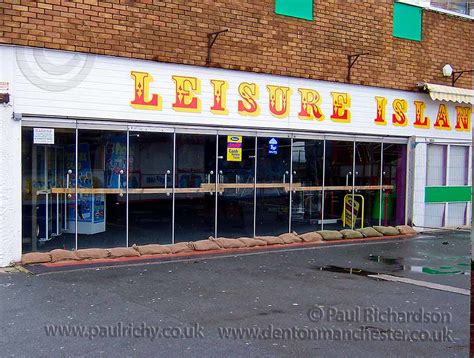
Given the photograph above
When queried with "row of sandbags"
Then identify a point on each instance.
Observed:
(60, 255)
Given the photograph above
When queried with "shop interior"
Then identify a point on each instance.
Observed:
(125, 186)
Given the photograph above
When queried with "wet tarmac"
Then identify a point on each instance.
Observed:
(280, 290)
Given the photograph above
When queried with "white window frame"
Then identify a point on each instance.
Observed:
(426, 4)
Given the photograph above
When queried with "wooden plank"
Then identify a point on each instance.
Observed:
(210, 188)
(344, 188)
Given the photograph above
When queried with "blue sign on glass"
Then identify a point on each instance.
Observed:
(273, 146)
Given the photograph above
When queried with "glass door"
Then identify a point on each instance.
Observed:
(102, 187)
(195, 186)
(235, 185)
(367, 183)
(273, 185)
(392, 204)
(48, 188)
(338, 184)
(306, 203)
(150, 186)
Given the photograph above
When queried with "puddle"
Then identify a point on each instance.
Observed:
(385, 260)
(348, 270)
(443, 270)
(460, 268)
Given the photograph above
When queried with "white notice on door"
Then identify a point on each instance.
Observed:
(43, 136)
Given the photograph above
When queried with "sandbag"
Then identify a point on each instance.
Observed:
(406, 230)
(35, 258)
(271, 240)
(226, 243)
(122, 252)
(290, 238)
(250, 242)
(152, 249)
(351, 234)
(369, 232)
(328, 235)
(387, 230)
(181, 247)
(92, 254)
(311, 236)
(204, 245)
(63, 255)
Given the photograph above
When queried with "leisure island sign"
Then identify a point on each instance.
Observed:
(187, 98)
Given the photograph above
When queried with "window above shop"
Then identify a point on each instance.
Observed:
(302, 9)
(453, 7)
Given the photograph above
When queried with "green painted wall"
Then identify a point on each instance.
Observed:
(447, 194)
(302, 9)
(407, 21)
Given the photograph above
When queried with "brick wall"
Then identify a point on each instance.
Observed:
(258, 39)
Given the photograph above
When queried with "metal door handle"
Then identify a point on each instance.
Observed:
(209, 179)
(220, 179)
(69, 172)
(120, 180)
(168, 172)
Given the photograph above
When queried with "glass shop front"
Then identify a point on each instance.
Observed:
(107, 185)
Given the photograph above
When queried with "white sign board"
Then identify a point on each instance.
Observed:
(4, 87)
(112, 88)
(43, 136)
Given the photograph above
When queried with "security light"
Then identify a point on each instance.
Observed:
(447, 70)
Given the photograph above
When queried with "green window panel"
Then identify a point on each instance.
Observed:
(447, 194)
(407, 21)
(302, 9)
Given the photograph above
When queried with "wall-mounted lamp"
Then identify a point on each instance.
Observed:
(449, 72)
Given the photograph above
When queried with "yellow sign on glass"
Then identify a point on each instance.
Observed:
(234, 148)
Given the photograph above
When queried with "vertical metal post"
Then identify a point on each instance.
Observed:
(173, 205)
(324, 183)
(215, 185)
(255, 186)
(127, 174)
(446, 205)
(290, 206)
(34, 197)
(353, 181)
(46, 194)
(381, 183)
(469, 182)
(75, 183)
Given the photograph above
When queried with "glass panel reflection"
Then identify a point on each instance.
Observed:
(150, 199)
(48, 210)
(368, 158)
(306, 210)
(273, 178)
(236, 175)
(338, 183)
(101, 199)
(195, 187)
(394, 176)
